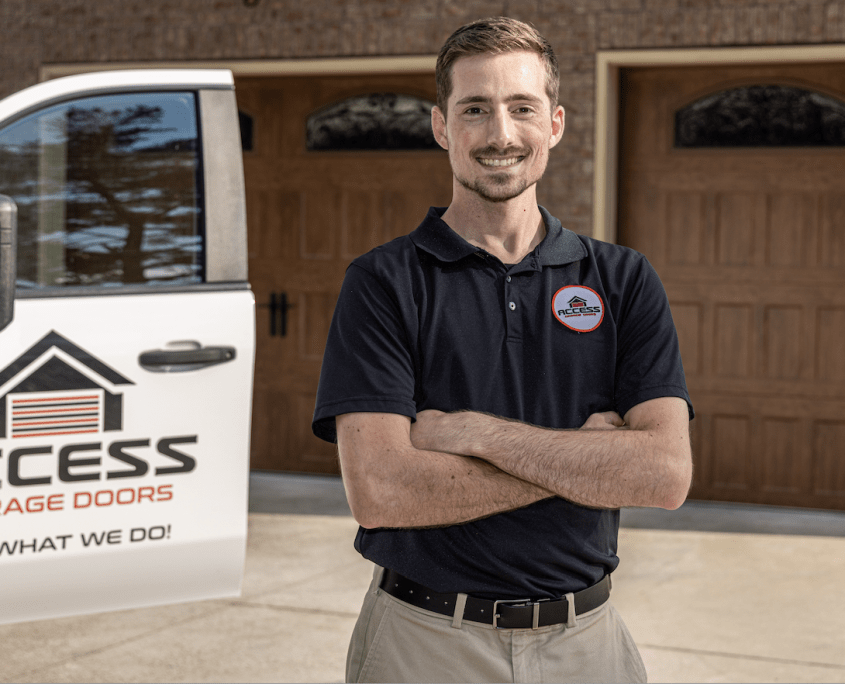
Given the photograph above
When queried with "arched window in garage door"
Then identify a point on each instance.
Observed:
(377, 121)
(762, 116)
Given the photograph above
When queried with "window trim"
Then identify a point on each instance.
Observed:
(224, 188)
(121, 290)
(83, 85)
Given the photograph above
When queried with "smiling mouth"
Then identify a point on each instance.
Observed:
(510, 161)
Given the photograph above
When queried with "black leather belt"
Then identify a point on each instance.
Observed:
(507, 614)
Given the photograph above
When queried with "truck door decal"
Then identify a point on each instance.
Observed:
(66, 384)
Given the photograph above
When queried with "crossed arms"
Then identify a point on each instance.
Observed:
(450, 468)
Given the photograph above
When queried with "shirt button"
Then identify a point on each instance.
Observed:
(508, 278)
(512, 306)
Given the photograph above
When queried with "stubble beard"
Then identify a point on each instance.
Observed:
(495, 188)
(498, 187)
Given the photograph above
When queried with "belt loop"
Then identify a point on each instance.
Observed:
(571, 620)
(378, 575)
(458, 617)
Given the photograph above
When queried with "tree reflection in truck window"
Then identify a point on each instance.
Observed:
(108, 191)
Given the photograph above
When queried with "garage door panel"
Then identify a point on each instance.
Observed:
(783, 441)
(829, 464)
(750, 171)
(831, 251)
(778, 229)
(767, 445)
(647, 208)
(729, 446)
(784, 332)
(309, 214)
(760, 444)
(787, 344)
(685, 227)
(740, 217)
(733, 341)
(404, 211)
(689, 321)
(315, 310)
(830, 345)
(750, 245)
(318, 232)
(792, 229)
(789, 390)
(274, 217)
(315, 455)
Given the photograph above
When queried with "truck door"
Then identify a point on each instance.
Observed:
(126, 362)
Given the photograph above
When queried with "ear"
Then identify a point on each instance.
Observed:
(558, 124)
(438, 127)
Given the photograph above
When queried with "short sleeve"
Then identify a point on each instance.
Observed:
(648, 357)
(368, 365)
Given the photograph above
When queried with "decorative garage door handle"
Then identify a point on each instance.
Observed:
(180, 360)
(279, 306)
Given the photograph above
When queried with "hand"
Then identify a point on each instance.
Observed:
(424, 432)
(608, 420)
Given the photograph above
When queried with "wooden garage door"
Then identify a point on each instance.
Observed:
(309, 214)
(732, 182)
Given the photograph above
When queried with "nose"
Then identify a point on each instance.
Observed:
(500, 130)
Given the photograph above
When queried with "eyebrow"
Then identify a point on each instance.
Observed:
(480, 99)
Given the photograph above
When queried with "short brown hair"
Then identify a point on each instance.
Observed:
(494, 35)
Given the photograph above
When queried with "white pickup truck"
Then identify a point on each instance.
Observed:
(126, 343)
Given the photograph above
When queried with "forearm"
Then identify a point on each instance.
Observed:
(402, 486)
(597, 468)
(600, 468)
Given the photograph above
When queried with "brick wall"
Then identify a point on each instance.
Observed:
(40, 32)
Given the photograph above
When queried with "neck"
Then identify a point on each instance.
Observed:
(508, 230)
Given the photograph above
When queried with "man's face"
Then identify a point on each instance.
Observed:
(500, 125)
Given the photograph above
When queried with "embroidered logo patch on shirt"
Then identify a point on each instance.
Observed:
(579, 308)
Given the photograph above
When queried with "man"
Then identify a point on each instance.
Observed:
(499, 387)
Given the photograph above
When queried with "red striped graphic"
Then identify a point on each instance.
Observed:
(55, 413)
(48, 399)
(70, 409)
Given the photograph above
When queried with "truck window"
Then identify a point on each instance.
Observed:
(108, 190)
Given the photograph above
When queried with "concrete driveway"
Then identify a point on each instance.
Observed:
(710, 593)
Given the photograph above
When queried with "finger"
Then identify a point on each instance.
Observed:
(614, 418)
(604, 421)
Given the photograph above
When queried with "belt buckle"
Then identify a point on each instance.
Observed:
(515, 602)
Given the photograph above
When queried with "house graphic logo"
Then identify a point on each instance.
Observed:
(578, 307)
(57, 388)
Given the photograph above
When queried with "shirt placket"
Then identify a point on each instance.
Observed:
(515, 286)
(513, 308)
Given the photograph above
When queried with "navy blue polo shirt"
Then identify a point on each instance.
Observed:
(430, 321)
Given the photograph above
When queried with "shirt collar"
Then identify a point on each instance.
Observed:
(560, 246)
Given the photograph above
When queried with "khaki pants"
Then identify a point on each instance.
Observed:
(396, 642)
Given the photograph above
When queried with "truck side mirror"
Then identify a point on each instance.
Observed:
(8, 236)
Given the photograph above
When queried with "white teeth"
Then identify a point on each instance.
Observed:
(499, 162)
